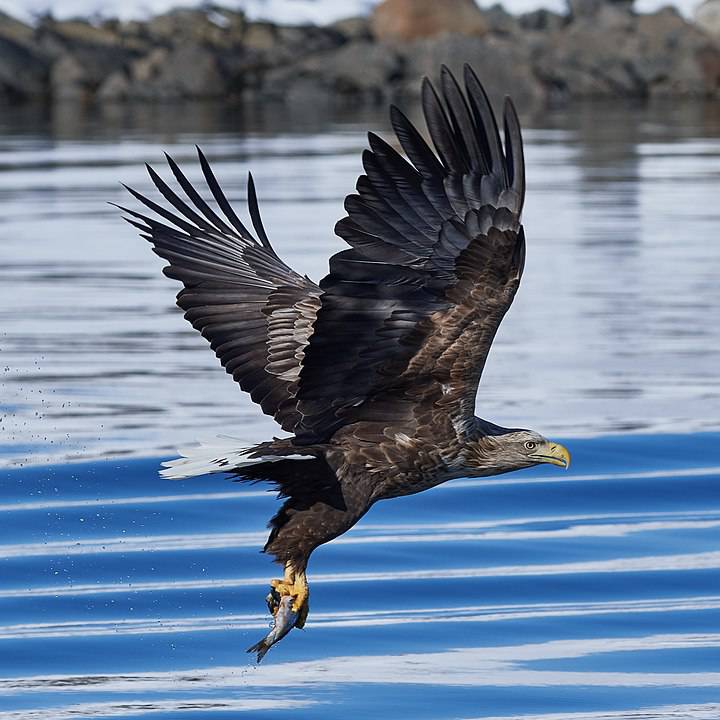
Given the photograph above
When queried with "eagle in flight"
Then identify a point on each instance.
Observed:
(374, 371)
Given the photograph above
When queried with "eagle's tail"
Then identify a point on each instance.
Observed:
(224, 454)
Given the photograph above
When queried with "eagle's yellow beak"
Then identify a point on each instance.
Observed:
(553, 453)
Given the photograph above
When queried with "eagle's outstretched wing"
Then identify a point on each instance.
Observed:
(408, 314)
(256, 311)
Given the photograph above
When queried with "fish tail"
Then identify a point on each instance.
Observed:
(260, 648)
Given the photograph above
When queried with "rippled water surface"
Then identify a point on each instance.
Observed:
(587, 594)
(614, 328)
(591, 594)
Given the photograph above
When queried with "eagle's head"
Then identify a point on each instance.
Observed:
(496, 450)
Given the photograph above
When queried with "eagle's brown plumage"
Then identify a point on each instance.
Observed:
(374, 371)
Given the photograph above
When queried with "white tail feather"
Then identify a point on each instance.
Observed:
(221, 454)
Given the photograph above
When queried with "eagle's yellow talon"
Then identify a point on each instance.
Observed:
(300, 601)
(295, 585)
(282, 587)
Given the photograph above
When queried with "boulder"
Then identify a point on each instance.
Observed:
(18, 32)
(591, 8)
(707, 18)
(148, 68)
(578, 61)
(81, 55)
(296, 41)
(709, 60)
(69, 79)
(56, 38)
(405, 20)
(541, 20)
(115, 88)
(187, 71)
(336, 72)
(353, 28)
(80, 32)
(78, 73)
(23, 73)
(212, 26)
(502, 64)
(261, 36)
(654, 54)
(500, 21)
(675, 57)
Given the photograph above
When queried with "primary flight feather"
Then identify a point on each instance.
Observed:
(375, 370)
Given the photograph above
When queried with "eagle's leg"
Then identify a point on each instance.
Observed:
(294, 583)
(301, 604)
(286, 585)
(299, 527)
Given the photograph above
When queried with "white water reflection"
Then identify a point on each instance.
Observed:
(353, 618)
(705, 711)
(243, 492)
(485, 666)
(139, 709)
(216, 541)
(597, 598)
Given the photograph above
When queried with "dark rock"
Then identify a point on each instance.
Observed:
(69, 79)
(591, 8)
(500, 21)
(260, 36)
(650, 54)
(211, 26)
(296, 41)
(404, 20)
(16, 31)
(81, 55)
(674, 57)
(541, 20)
(353, 28)
(188, 71)
(707, 18)
(23, 74)
(601, 49)
(502, 64)
(116, 87)
(79, 73)
(709, 61)
(338, 72)
(578, 62)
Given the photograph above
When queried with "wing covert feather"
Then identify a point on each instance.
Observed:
(409, 313)
(256, 312)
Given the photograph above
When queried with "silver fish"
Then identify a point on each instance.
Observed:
(283, 622)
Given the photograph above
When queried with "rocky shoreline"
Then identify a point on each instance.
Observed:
(597, 49)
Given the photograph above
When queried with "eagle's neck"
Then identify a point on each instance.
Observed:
(481, 450)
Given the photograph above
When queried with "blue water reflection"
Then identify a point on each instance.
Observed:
(591, 594)
(586, 595)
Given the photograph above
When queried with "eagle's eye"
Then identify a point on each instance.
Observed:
(530, 445)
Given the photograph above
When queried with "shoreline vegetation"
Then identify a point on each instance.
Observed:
(597, 49)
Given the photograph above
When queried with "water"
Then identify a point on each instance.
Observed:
(537, 595)
(613, 328)
(587, 594)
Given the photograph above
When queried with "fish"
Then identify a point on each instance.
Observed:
(284, 620)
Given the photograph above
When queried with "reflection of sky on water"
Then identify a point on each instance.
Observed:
(610, 331)
(124, 595)
(495, 666)
(542, 595)
(348, 618)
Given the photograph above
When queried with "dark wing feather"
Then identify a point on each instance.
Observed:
(408, 314)
(256, 312)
